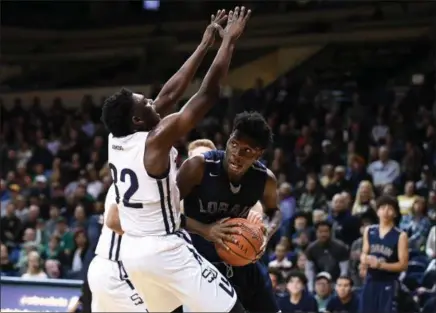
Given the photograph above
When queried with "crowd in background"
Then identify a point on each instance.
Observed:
(331, 157)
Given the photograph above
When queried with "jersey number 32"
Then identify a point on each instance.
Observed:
(130, 191)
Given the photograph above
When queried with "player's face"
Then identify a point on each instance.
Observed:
(386, 213)
(144, 113)
(295, 286)
(241, 153)
(343, 288)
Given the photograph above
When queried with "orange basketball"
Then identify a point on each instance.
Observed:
(248, 247)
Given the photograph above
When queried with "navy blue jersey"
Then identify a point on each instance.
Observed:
(307, 303)
(217, 198)
(385, 248)
(335, 305)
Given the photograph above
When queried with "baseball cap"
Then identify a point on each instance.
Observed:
(324, 275)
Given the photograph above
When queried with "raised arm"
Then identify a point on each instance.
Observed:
(174, 126)
(176, 86)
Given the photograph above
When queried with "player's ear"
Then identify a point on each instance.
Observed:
(137, 121)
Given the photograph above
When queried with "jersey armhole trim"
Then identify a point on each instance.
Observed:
(162, 176)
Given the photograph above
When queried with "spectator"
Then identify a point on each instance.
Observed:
(34, 267)
(287, 205)
(80, 221)
(281, 263)
(416, 224)
(53, 269)
(345, 225)
(7, 268)
(312, 198)
(407, 200)
(364, 204)
(355, 252)
(66, 236)
(384, 170)
(430, 248)
(339, 183)
(297, 299)
(276, 279)
(53, 250)
(345, 300)
(10, 227)
(325, 255)
(323, 290)
(78, 254)
(356, 172)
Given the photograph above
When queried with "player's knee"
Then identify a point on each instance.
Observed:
(238, 308)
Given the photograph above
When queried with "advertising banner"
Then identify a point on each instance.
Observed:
(48, 295)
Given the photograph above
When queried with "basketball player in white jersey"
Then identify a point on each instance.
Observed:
(162, 265)
(111, 289)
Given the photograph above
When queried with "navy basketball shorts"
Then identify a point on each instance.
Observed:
(379, 296)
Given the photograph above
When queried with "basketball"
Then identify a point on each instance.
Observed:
(248, 247)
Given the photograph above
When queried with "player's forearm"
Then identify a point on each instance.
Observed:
(195, 227)
(393, 267)
(219, 68)
(363, 258)
(176, 86)
(273, 223)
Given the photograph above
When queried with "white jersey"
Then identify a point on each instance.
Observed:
(147, 206)
(108, 245)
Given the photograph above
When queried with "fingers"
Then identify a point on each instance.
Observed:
(221, 243)
(230, 17)
(236, 13)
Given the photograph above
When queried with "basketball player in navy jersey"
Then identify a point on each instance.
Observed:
(384, 256)
(227, 184)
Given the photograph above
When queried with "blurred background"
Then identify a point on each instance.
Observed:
(348, 88)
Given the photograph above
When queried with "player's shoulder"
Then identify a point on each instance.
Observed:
(260, 167)
(213, 156)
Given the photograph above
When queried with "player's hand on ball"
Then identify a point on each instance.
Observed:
(255, 217)
(236, 22)
(216, 22)
(220, 232)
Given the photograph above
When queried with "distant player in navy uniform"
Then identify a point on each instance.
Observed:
(227, 184)
(384, 256)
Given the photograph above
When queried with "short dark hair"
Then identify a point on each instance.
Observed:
(392, 201)
(116, 113)
(254, 126)
(297, 274)
(347, 278)
(323, 223)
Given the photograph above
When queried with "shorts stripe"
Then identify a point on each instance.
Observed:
(115, 245)
(170, 208)
(123, 275)
(162, 205)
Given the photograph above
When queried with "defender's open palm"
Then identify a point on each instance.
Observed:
(236, 22)
(215, 26)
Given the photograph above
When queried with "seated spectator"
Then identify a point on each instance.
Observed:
(345, 225)
(276, 279)
(287, 206)
(384, 170)
(325, 254)
(311, 198)
(345, 301)
(356, 172)
(66, 236)
(7, 268)
(355, 252)
(80, 220)
(78, 254)
(416, 224)
(50, 224)
(10, 227)
(301, 262)
(34, 267)
(53, 250)
(364, 204)
(297, 299)
(323, 290)
(407, 200)
(281, 263)
(53, 269)
(339, 183)
(430, 247)
(327, 174)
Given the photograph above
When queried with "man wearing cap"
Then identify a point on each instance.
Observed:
(323, 290)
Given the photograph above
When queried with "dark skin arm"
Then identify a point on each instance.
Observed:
(271, 205)
(189, 176)
(175, 87)
(177, 125)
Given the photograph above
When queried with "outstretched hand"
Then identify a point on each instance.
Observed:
(236, 22)
(216, 22)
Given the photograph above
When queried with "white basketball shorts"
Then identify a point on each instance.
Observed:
(167, 272)
(111, 289)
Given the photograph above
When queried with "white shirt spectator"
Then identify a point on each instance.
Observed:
(384, 172)
(379, 132)
(430, 248)
(284, 266)
(95, 188)
(40, 275)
